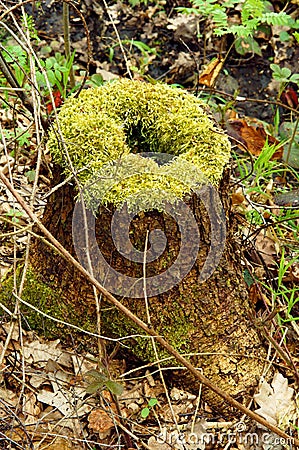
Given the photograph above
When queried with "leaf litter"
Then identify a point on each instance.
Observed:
(56, 413)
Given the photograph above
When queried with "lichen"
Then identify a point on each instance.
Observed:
(105, 129)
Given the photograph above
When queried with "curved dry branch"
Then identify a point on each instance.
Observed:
(226, 397)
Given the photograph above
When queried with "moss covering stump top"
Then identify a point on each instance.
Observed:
(105, 129)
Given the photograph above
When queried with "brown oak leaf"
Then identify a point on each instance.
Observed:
(252, 137)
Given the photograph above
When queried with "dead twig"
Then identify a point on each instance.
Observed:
(201, 378)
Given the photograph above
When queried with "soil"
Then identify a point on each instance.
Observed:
(178, 55)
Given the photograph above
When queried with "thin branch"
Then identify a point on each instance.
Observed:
(66, 34)
(151, 332)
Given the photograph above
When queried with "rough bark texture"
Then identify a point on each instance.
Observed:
(210, 320)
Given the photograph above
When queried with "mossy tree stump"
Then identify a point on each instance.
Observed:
(209, 320)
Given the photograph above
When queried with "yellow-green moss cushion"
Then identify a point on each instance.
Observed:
(105, 129)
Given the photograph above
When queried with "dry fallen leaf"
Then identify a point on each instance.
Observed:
(266, 247)
(59, 444)
(276, 401)
(210, 74)
(237, 198)
(252, 137)
(100, 422)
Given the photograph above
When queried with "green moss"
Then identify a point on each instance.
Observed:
(105, 127)
(175, 327)
(47, 299)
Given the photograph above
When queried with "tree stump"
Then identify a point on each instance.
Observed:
(201, 306)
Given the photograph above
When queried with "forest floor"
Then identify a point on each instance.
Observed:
(45, 400)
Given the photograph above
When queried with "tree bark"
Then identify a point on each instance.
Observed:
(211, 321)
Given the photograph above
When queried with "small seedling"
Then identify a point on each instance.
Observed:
(100, 381)
(146, 411)
(284, 74)
(14, 214)
(30, 174)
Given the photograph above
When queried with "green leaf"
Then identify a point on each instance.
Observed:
(97, 79)
(30, 174)
(152, 402)
(295, 78)
(63, 69)
(49, 63)
(46, 50)
(187, 10)
(94, 387)
(51, 77)
(286, 72)
(273, 18)
(111, 54)
(114, 387)
(284, 36)
(249, 280)
(14, 214)
(58, 75)
(24, 138)
(275, 67)
(145, 412)
(246, 45)
(280, 73)
(97, 375)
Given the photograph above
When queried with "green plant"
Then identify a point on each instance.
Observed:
(17, 59)
(289, 131)
(100, 380)
(14, 214)
(58, 70)
(147, 53)
(282, 295)
(95, 80)
(284, 76)
(28, 23)
(21, 136)
(145, 412)
(253, 14)
(145, 2)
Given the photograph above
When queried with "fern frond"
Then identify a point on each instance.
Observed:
(253, 9)
(280, 18)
